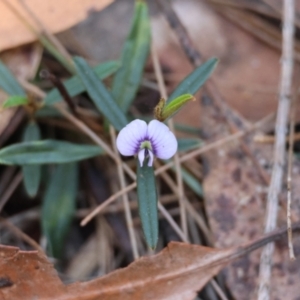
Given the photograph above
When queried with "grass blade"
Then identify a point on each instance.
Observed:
(9, 83)
(74, 85)
(31, 173)
(46, 152)
(134, 55)
(147, 201)
(59, 206)
(14, 101)
(186, 144)
(100, 95)
(192, 83)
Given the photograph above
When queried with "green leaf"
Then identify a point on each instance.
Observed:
(31, 173)
(100, 95)
(186, 144)
(164, 111)
(13, 101)
(134, 55)
(147, 202)
(192, 182)
(188, 129)
(9, 83)
(74, 86)
(56, 53)
(46, 152)
(192, 83)
(59, 206)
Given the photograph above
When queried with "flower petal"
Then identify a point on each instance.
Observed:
(151, 157)
(141, 156)
(130, 137)
(163, 141)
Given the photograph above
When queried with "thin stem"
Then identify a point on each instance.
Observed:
(127, 210)
(279, 151)
(163, 92)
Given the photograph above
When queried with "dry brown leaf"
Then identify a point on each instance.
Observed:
(177, 272)
(56, 15)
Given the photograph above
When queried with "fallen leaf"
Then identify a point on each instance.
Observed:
(177, 272)
(56, 16)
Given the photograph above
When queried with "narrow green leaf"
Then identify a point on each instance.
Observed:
(56, 53)
(13, 101)
(74, 86)
(186, 144)
(8, 82)
(31, 173)
(46, 152)
(164, 111)
(192, 83)
(59, 206)
(192, 182)
(147, 201)
(99, 94)
(134, 55)
(188, 129)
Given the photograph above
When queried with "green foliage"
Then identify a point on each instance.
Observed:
(99, 94)
(59, 206)
(31, 173)
(186, 144)
(13, 101)
(164, 111)
(147, 201)
(192, 182)
(74, 86)
(134, 55)
(192, 83)
(8, 82)
(46, 152)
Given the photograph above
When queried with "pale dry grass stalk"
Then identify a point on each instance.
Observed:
(289, 176)
(279, 152)
(125, 199)
(163, 93)
(21, 235)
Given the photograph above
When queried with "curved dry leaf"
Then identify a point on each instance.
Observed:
(56, 16)
(177, 272)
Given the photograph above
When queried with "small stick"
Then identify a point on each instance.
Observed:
(279, 152)
(289, 177)
(11, 188)
(22, 235)
(45, 74)
(163, 93)
(127, 210)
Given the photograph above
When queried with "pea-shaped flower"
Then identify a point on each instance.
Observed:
(154, 139)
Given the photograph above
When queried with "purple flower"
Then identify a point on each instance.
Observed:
(147, 140)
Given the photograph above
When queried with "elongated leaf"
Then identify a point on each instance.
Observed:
(192, 182)
(31, 173)
(100, 95)
(192, 83)
(186, 144)
(8, 82)
(75, 86)
(59, 206)
(147, 201)
(134, 55)
(13, 101)
(165, 111)
(46, 152)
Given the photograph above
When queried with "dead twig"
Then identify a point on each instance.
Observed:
(279, 151)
